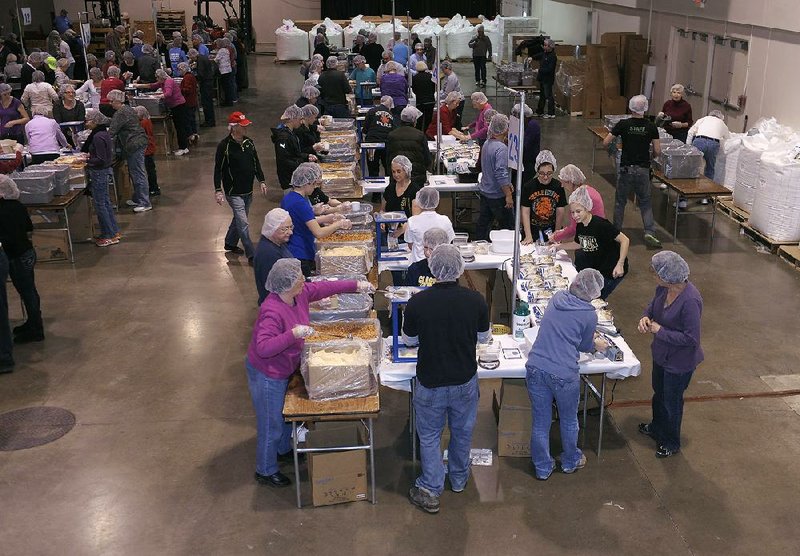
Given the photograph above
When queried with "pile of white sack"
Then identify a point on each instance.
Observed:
(356, 24)
(459, 32)
(291, 43)
(429, 28)
(385, 32)
(332, 30)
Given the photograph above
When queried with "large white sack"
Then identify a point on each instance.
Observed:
(429, 28)
(356, 24)
(290, 42)
(747, 170)
(776, 207)
(459, 32)
(385, 32)
(333, 31)
(728, 160)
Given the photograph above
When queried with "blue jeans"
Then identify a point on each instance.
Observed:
(490, 210)
(543, 388)
(668, 389)
(102, 202)
(636, 179)
(239, 228)
(6, 340)
(273, 434)
(546, 96)
(709, 148)
(22, 276)
(141, 188)
(609, 285)
(458, 406)
(480, 68)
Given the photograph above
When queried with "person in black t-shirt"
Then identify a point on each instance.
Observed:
(637, 134)
(543, 201)
(419, 273)
(446, 321)
(378, 122)
(399, 195)
(598, 244)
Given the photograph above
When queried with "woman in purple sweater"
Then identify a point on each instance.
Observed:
(395, 85)
(274, 355)
(673, 318)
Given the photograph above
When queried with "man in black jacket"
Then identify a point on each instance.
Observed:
(411, 142)
(235, 167)
(333, 89)
(373, 52)
(548, 61)
(204, 70)
(378, 123)
(33, 64)
(288, 152)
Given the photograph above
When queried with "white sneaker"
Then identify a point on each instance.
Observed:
(142, 209)
(662, 185)
(704, 201)
(181, 152)
(682, 204)
(131, 203)
(549, 116)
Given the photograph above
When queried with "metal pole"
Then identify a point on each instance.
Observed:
(439, 100)
(518, 198)
(394, 30)
(17, 14)
(83, 42)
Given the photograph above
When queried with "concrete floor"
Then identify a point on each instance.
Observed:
(145, 342)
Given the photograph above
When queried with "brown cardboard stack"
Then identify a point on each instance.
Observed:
(512, 408)
(618, 41)
(636, 56)
(613, 102)
(336, 477)
(593, 91)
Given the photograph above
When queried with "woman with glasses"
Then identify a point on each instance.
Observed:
(273, 245)
(543, 201)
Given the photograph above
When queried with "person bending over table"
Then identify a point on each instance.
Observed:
(571, 178)
(706, 134)
(495, 189)
(379, 122)
(446, 321)
(407, 140)
(673, 318)
(272, 246)
(479, 128)
(308, 226)
(45, 138)
(419, 273)
(597, 242)
(552, 371)
(427, 201)
(274, 355)
(543, 201)
(448, 111)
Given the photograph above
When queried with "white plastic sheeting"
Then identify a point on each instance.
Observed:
(428, 28)
(350, 32)
(748, 169)
(291, 43)
(728, 161)
(384, 31)
(459, 32)
(332, 30)
(776, 207)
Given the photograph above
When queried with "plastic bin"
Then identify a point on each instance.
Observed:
(35, 189)
(60, 172)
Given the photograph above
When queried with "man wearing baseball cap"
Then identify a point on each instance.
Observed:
(235, 167)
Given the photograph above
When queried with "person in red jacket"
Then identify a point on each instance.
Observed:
(448, 111)
(189, 92)
(149, 151)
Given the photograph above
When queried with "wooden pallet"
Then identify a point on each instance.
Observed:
(725, 206)
(790, 254)
(284, 62)
(772, 244)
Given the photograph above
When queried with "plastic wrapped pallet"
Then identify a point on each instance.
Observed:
(333, 31)
(368, 330)
(491, 27)
(34, 189)
(776, 205)
(728, 160)
(339, 370)
(385, 32)
(291, 43)
(344, 260)
(356, 24)
(571, 77)
(748, 169)
(681, 162)
(610, 120)
(429, 28)
(459, 32)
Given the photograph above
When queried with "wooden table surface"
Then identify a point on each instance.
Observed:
(59, 201)
(297, 406)
(598, 131)
(693, 187)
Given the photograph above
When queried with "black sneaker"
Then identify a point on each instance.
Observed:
(277, 480)
(664, 452)
(155, 193)
(424, 499)
(22, 328)
(234, 249)
(647, 429)
(28, 336)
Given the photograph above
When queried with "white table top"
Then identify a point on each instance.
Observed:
(444, 184)
(397, 376)
(491, 261)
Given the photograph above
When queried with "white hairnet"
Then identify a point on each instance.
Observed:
(478, 97)
(446, 263)
(670, 267)
(284, 275)
(638, 104)
(309, 92)
(545, 157)
(8, 188)
(306, 173)
(410, 114)
(717, 114)
(453, 96)
(292, 113)
(572, 174)
(427, 198)
(404, 162)
(581, 197)
(587, 285)
(488, 115)
(387, 101)
(332, 62)
(94, 115)
(309, 111)
(527, 111)
(434, 237)
(498, 125)
(141, 112)
(273, 220)
(359, 60)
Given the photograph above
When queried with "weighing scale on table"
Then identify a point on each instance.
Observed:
(392, 252)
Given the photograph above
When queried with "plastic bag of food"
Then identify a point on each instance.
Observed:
(337, 331)
(339, 370)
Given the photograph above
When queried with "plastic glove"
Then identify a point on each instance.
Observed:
(319, 209)
(302, 331)
(345, 207)
(337, 217)
(345, 224)
(365, 287)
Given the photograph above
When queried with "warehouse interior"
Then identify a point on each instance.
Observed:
(145, 345)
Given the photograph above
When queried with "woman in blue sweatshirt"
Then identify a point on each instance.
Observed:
(673, 318)
(567, 328)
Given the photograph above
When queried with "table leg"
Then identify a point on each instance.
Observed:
(602, 415)
(372, 460)
(69, 235)
(296, 463)
(713, 220)
(675, 225)
(585, 409)
(594, 151)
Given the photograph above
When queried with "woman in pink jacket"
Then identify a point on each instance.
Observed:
(572, 178)
(173, 99)
(274, 355)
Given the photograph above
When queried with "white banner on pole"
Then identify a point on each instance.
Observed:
(513, 144)
(27, 19)
(86, 34)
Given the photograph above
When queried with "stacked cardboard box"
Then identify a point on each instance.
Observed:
(612, 102)
(512, 409)
(593, 91)
(337, 477)
(636, 57)
(571, 81)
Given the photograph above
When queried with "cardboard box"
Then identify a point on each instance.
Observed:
(593, 91)
(610, 72)
(337, 477)
(618, 41)
(50, 245)
(614, 105)
(635, 58)
(512, 409)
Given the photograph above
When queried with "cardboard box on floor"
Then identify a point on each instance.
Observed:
(512, 408)
(593, 91)
(577, 69)
(636, 56)
(618, 40)
(337, 477)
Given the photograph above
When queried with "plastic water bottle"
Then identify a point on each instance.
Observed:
(521, 320)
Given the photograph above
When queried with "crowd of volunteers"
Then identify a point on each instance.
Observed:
(446, 320)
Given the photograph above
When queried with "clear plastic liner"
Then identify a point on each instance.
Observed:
(459, 32)
(571, 77)
(339, 370)
(337, 331)
(291, 43)
(510, 74)
(34, 189)
(681, 162)
(60, 172)
(344, 260)
(341, 306)
(357, 239)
